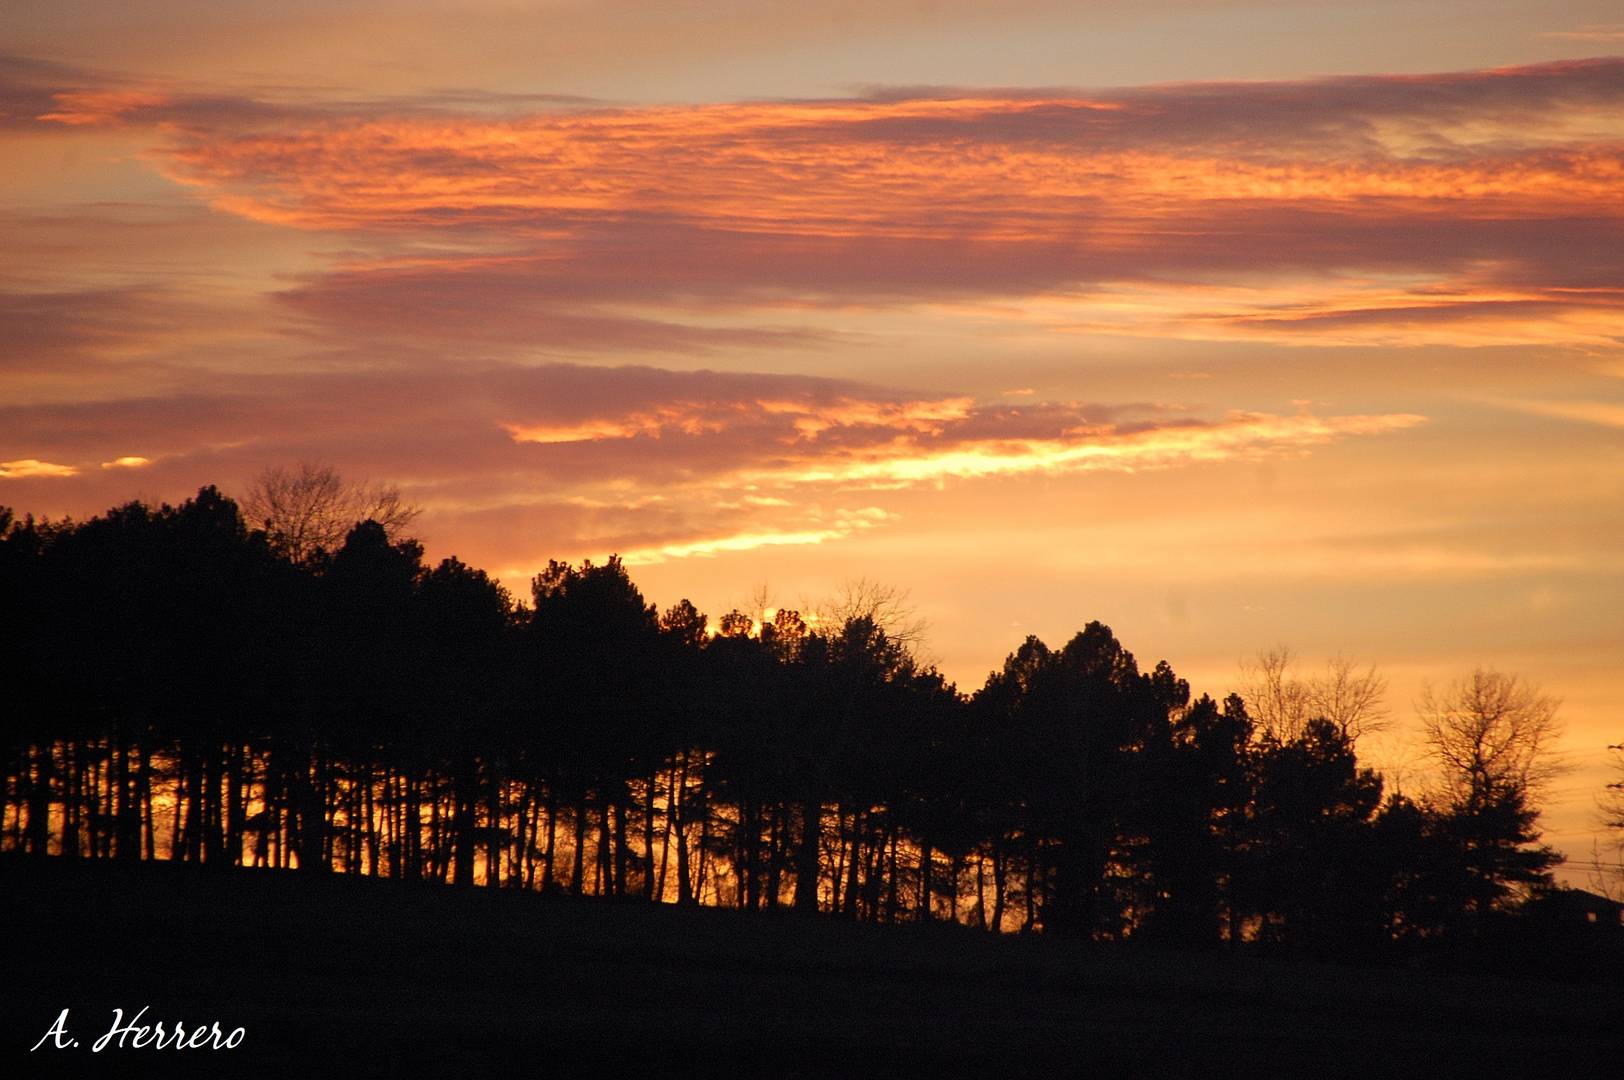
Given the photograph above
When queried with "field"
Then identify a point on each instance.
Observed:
(354, 977)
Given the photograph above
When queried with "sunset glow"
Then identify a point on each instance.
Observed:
(1040, 317)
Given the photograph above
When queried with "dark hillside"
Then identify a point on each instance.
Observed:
(359, 977)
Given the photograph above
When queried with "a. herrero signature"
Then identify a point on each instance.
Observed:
(138, 1036)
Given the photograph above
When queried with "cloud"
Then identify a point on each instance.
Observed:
(845, 524)
(800, 419)
(521, 226)
(520, 463)
(1420, 317)
(1088, 448)
(1453, 118)
(1602, 413)
(25, 468)
(38, 330)
(27, 86)
(80, 107)
(503, 302)
(798, 438)
(1600, 34)
(502, 226)
(990, 164)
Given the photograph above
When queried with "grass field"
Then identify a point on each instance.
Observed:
(353, 977)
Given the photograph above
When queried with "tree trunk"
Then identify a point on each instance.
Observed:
(774, 862)
(462, 821)
(806, 862)
(127, 812)
(673, 796)
(578, 869)
(925, 858)
(648, 836)
(620, 847)
(552, 837)
(39, 802)
(850, 897)
(999, 870)
(685, 887)
(496, 838)
(750, 824)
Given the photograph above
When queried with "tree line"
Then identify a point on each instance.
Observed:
(180, 685)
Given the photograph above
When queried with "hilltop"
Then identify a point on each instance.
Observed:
(353, 977)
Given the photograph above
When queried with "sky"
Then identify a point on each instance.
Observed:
(1230, 324)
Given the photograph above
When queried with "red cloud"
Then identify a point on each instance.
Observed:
(606, 229)
(779, 459)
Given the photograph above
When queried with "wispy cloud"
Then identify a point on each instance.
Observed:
(81, 107)
(654, 463)
(1603, 413)
(797, 419)
(845, 523)
(1000, 166)
(918, 196)
(1608, 34)
(25, 468)
(1112, 447)
(1482, 203)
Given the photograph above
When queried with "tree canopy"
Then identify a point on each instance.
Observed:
(185, 685)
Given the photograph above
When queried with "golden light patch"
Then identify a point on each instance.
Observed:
(1082, 449)
(24, 468)
(847, 523)
(805, 419)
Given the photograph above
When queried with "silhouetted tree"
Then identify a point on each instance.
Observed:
(309, 507)
(180, 685)
(1306, 846)
(1613, 801)
(1610, 874)
(1083, 717)
(1281, 702)
(1493, 736)
(1196, 822)
(592, 633)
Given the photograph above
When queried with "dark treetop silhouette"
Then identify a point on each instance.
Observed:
(179, 688)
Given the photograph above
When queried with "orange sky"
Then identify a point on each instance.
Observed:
(1230, 324)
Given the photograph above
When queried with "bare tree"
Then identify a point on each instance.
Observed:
(887, 606)
(1613, 800)
(1608, 875)
(1491, 734)
(1276, 701)
(309, 507)
(761, 606)
(1353, 700)
(1281, 703)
